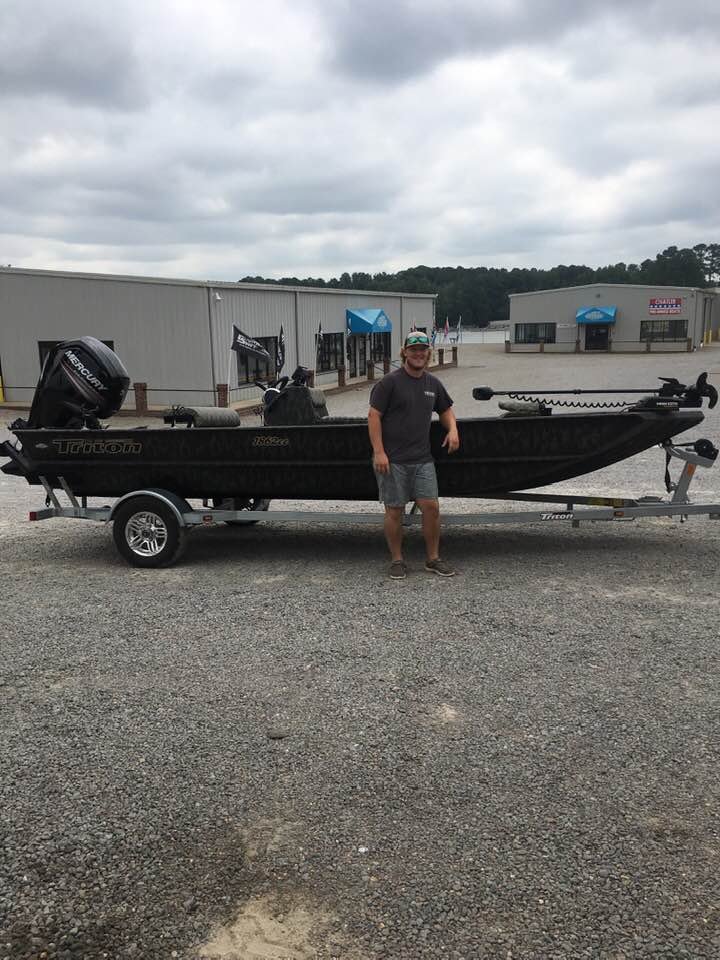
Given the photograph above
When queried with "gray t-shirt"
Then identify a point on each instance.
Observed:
(406, 404)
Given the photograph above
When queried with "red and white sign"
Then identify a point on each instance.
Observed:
(665, 305)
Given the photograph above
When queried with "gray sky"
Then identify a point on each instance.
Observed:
(303, 138)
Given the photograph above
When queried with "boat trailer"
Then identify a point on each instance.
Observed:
(149, 526)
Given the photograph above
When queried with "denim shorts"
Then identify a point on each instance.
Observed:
(406, 482)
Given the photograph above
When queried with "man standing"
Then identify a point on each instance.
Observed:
(401, 408)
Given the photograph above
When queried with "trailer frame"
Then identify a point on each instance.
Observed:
(165, 517)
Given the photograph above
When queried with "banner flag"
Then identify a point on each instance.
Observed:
(242, 343)
(280, 355)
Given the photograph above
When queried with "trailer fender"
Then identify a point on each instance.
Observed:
(172, 500)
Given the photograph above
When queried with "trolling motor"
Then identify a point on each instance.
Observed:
(671, 396)
(81, 382)
(692, 395)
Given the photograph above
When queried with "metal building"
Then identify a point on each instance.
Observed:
(175, 335)
(613, 317)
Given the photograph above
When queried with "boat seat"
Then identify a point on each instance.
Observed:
(296, 405)
(519, 408)
(334, 420)
(203, 416)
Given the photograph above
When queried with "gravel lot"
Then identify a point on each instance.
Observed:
(272, 751)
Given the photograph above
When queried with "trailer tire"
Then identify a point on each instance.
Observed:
(147, 532)
(236, 503)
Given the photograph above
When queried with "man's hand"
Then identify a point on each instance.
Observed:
(452, 440)
(381, 464)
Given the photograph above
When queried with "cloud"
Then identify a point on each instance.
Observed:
(78, 54)
(311, 138)
(389, 42)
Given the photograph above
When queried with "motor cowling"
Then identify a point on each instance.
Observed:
(82, 381)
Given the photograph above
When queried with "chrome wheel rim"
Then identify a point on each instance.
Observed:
(146, 534)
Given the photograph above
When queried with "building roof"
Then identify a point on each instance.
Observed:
(614, 286)
(211, 284)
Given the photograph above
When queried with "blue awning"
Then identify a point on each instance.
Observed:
(368, 321)
(596, 315)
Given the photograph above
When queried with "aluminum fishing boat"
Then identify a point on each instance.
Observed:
(299, 452)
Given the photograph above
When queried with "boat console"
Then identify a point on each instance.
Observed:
(295, 404)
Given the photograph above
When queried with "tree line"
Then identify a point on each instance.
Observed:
(480, 294)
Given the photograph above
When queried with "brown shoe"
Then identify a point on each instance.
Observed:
(398, 570)
(439, 567)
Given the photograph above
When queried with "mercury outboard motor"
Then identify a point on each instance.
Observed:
(81, 381)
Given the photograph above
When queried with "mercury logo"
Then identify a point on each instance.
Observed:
(83, 371)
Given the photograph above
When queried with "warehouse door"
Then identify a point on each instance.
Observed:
(596, 336)
(357, 354)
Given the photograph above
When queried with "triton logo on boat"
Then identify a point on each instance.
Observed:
(556, 516)
(84, 372)
(97, 446)
(271, 442)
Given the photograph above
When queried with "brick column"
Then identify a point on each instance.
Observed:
(689, 344)
(647, 346)
(542, 346)
(577, 346)
(311, 378)
(441, 357)
(386, 365)
(508, 346)
(222, 394)
(370, 370)
(454, 356)
(141, 406)
(341, 376)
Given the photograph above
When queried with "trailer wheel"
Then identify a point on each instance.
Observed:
(236, 503)
(147, 532)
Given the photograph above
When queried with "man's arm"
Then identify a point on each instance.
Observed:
(380, 460)
(452, 438)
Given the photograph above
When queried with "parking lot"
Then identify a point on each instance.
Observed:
(272, 751)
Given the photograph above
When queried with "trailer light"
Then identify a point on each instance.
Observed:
(32, 515)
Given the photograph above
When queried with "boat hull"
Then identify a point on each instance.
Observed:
(332, 461)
